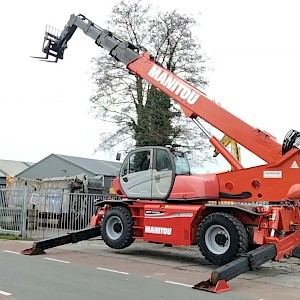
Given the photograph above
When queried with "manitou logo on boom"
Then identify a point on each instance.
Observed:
(158, 230)
(174, 85)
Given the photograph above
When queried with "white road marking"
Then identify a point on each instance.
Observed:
(155, 274)
(179, 283)
(57, 260)
(5, 293)
(114, 271)
(13, 252)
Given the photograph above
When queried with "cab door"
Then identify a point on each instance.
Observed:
(136, 173)
(163, 173)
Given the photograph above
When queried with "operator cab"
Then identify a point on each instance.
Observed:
(149, 172)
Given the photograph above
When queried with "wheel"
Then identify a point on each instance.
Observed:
(117, 228)
(221, 238)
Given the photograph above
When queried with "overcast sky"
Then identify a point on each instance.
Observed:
(253, 46)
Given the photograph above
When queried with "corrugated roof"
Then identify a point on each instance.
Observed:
(12, 167)
(102, 167)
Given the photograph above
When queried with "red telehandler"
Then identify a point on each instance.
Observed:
(162, 202)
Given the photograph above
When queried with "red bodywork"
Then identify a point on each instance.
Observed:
(177, 224)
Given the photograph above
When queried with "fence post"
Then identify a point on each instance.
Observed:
(24, 213)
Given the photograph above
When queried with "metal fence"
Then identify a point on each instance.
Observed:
(11, 216)
(44, 214)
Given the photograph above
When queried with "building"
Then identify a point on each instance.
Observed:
(10, 168)
(59, 191)
(99, 173)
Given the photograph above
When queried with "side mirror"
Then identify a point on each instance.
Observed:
(118, 156)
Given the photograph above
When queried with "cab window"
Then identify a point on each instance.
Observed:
(163, 161)
(139, 161)
(182, 165)
(124, 170)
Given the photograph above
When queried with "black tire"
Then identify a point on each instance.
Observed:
(117, 228)
(221, 238)
(251, 245)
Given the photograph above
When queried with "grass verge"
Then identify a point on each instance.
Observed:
(6, 236)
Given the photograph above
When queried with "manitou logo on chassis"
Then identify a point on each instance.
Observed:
(174, 85)
(158, 230)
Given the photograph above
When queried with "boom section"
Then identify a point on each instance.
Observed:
(194, 103)
(55, 42)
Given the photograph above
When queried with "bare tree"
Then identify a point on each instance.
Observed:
(141, 114)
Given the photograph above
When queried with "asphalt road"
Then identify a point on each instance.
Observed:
(90, 270)
(47, 278)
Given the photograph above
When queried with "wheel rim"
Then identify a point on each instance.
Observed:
(114, 228)
(217, 239)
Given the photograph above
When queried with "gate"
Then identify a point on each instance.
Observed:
(12, 203)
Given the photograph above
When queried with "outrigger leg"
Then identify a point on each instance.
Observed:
(249, 261)
(72, 237)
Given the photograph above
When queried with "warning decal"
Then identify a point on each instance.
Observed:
(294, 165)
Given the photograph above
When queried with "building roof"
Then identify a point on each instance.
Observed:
(12, 167)
(109, 168)
(94, 166)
